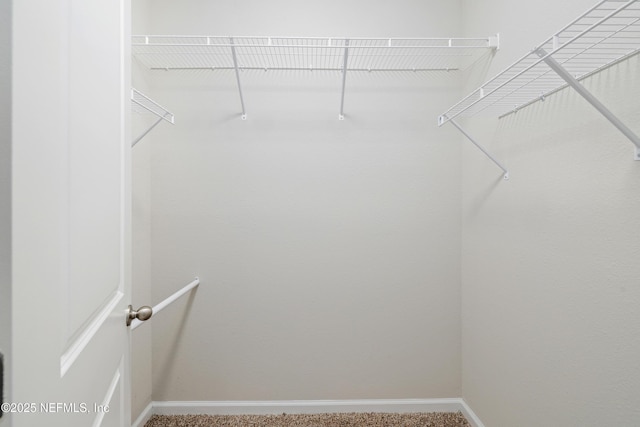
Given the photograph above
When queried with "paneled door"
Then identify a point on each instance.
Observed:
(70, 213)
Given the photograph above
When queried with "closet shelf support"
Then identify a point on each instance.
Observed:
(235, 66)
(344, 77)
(480, 147)
(143, 103)
(135, 141)
(591, 99)
(134, 323)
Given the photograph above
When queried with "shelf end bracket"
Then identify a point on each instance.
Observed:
(481, 148)
(588, 96)
(237, 69)
(157, 122)
(151, 106)
(344, 78)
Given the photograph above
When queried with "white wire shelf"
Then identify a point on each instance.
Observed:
(309, 53)
(340, 55)
(142, 104)
(603, 36)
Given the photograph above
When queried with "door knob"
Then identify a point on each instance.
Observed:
(143, 313)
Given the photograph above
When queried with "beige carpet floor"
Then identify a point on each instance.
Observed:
(371, 419)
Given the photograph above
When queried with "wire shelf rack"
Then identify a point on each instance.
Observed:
(142, 104)
(309, 53)
(340, 55)
(603, 36)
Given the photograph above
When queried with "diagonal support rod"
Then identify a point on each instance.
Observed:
(588, 96)
(135, 141)
(139, 100)
(344, 77)
(481, 148)
(235, 66)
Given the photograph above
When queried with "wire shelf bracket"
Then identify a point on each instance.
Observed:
(588, 96)
(143, 104)
(481, 148)
(135, 323)
(235, 67)
(344, 78)
(602, 37)
(327, 54)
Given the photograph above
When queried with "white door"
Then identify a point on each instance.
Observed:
(70, 206)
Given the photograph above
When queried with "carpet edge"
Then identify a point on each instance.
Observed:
(235, 407)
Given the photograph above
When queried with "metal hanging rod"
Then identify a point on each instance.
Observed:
(603, 36)
(145, 105)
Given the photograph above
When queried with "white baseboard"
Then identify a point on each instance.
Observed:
(307, 407)
(471, 416)
(144, 416)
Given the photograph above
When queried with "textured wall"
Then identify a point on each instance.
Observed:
(549, 258)
(328, 250)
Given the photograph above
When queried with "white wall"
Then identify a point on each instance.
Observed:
(329, 251)
(5, 196)
(549, 258)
